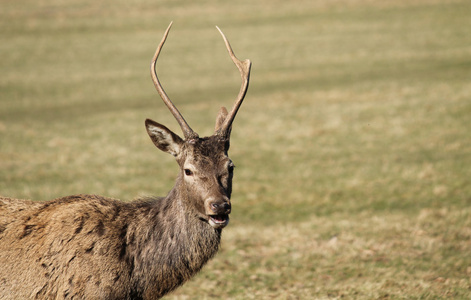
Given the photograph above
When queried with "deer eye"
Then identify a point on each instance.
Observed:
(231, 168)
(188, 172)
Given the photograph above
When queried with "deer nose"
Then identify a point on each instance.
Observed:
(221, 207)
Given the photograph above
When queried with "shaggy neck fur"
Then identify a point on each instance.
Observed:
(184, 241)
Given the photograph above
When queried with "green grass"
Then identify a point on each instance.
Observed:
(353, 147)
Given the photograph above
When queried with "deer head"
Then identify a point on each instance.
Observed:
(205, 178)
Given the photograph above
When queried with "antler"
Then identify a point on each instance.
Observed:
(187, 131)
(244, 69)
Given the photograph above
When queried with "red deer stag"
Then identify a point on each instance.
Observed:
(93, 247)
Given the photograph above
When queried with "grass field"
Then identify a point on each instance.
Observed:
(353, 146)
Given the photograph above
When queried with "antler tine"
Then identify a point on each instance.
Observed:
(244, 69)
(187, 131)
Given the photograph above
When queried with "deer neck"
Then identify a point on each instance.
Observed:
(177, 247)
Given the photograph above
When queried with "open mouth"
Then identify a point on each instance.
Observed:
(219, 221)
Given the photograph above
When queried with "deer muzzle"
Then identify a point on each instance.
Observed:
(218, 212)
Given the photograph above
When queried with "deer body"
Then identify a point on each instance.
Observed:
(147, 247)
(94, 247)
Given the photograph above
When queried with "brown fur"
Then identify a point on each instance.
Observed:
(93, 247)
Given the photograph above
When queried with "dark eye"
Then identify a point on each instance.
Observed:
(188, 172)
(231, 168)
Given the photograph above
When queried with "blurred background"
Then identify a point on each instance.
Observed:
(352, 147)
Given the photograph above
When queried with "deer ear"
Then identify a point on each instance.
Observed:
(222, 115)
(164, 138)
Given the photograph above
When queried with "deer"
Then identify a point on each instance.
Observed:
(95, 247)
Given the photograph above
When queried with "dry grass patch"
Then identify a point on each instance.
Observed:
(365, 256)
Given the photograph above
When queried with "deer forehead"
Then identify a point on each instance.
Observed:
(206, 151)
